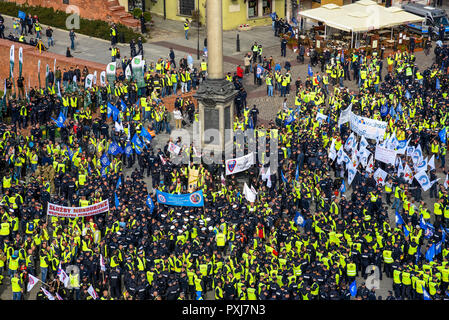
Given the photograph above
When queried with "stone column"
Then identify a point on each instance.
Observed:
(215, 95)
(214, 23)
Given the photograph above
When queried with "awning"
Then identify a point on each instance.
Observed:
(361, 16)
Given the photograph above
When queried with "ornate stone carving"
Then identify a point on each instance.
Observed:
(215, 88)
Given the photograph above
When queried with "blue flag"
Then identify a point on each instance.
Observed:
(392, 112)
(310, 71)
(117, 203)
(114, 149)
(113, 110)
(418, 255)
(119, 182)
(150, 203)
(438, 247)
(69, 153)
(399, 109)
(60, 121)
(22, 15)
(407, 95)
(399, 220)
(137, 149)
(104, 160)
(437, 85)
(442, 135)
(353, 288)
(430, 254)
(299, 219)
(343, 187)
(427, 227)
(273, 16)
(128, 149)
(297, 172)
(383, 110)
(250, 123)
(136, 141)
(425, 294)
(289, 119)
(145, 134)
(406, 232)
(283, 177)
(123, 105)
(294, 21)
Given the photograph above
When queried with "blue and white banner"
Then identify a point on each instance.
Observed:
(239, 164)
(194, 199)
(369, 128)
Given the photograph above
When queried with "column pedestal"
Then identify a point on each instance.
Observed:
(216, 111)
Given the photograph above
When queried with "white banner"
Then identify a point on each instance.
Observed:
(137, 62)
(369, 128)
(110, 69)
(21, 55)
(128, 73)
(249, 193)
(74, 212)
(173, 148)
(103, 78)
(385, 155)
(89, 81)
(11, 54)
(239, 164)
(345, 115)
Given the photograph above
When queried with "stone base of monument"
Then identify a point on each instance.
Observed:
(216, 114)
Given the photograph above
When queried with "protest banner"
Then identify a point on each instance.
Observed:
(194, 199)
(369, 128)
(74, 212)
(385, 155)
(239, 164)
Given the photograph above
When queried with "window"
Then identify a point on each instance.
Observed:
(266, 7)
(253, 10)
(186, 7)
(65, 1)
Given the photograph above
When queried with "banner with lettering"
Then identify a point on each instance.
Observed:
(369, 128)
(194, 199)
(74, 212)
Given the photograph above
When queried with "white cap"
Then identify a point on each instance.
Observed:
(163, 215)
(178, 213)
(203, 229)
(210, 228)
(172, 227)
(208, 219)
(186, 219)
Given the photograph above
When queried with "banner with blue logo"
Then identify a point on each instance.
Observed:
(194, 199)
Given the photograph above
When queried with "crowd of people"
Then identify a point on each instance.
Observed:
(309, 234)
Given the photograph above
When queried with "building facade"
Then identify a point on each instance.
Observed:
(235, 12)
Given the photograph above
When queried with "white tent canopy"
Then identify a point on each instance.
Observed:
(361, 16)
